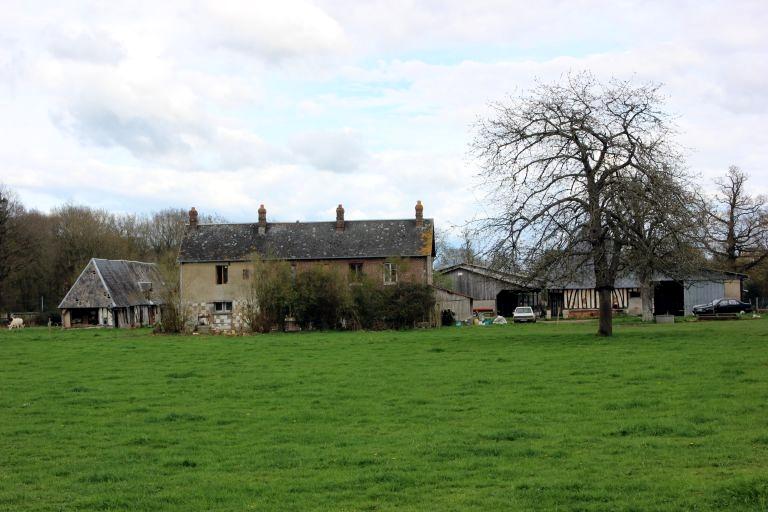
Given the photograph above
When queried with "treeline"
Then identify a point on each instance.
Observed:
(41, 254)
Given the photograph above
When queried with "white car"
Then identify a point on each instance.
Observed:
(523, 314)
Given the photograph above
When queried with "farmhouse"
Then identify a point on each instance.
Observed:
(216, 259)
(113, 293)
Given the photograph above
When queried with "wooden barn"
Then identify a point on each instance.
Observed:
(459, 304)
(493, 291)
(113, 293)
(578, 298)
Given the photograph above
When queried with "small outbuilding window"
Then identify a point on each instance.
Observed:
(222, 274)
(246, 274)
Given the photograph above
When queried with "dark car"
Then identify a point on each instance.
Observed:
(723, 306)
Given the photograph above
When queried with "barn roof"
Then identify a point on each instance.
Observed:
(115, 283)
(499, 275)
(308, 240)
(586, 279)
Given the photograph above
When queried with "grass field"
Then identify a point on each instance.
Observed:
(544, 416)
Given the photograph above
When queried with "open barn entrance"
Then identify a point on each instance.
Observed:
(506, 302)
(80, 317)
(669, 298)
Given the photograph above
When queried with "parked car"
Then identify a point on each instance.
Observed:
(523, 314)
(718, 306)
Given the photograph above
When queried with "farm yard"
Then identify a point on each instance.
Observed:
(545, 416)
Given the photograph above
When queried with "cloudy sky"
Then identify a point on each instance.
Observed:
(302, 105)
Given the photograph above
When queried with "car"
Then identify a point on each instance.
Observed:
(523, 314)
(719, 306)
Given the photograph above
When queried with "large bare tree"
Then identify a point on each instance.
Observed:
(557, 158)
(737, 228)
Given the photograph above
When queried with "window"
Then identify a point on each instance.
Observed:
(293, 272)
(222, 274)
(355, 272)
(246, 274)
(390, 273)
(222, 307)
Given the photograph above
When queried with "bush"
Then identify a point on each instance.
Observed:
(369, 303)
(322, 300)
(271, 295)
(408, 303)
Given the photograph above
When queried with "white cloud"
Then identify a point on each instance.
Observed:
(341, 151)
(89, 46)
(226, 105)
(272, 30)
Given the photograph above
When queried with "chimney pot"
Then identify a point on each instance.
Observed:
(419, 214)
(340, 218)
(193, 217)
(262, 220)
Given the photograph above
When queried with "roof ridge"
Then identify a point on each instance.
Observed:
(304, 222)
(107, 288)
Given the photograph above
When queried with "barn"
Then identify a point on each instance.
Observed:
(493, 291)
(459, 304)
(113, 293)
(577, 298)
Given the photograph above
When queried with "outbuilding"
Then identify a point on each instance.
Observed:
(577, 298)
(114, 293)
(459, 304)
(493, 290)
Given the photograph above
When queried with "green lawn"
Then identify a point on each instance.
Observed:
(542, 416)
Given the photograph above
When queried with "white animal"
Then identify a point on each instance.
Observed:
(16, 323)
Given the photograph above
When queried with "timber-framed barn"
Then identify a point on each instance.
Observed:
(114, 293)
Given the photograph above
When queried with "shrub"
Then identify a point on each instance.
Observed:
(408, 303)
(174, 314)
(270, 295)
(323, 299)
(369, 303)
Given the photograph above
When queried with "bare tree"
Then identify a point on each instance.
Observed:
(737, 228)
(10, 245)
(659, 235)
(557, 158)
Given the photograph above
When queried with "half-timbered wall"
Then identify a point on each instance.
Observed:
(588, 298)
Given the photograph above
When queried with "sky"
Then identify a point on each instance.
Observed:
(138, 106)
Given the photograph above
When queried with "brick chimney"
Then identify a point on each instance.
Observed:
(419, 214)
(193, 217)
(340, 218)
(262, 220)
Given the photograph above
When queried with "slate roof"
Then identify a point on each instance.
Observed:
(115, 284)
(308, 241)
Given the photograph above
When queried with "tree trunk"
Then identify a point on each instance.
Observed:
(605, 297)
(646, 290)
